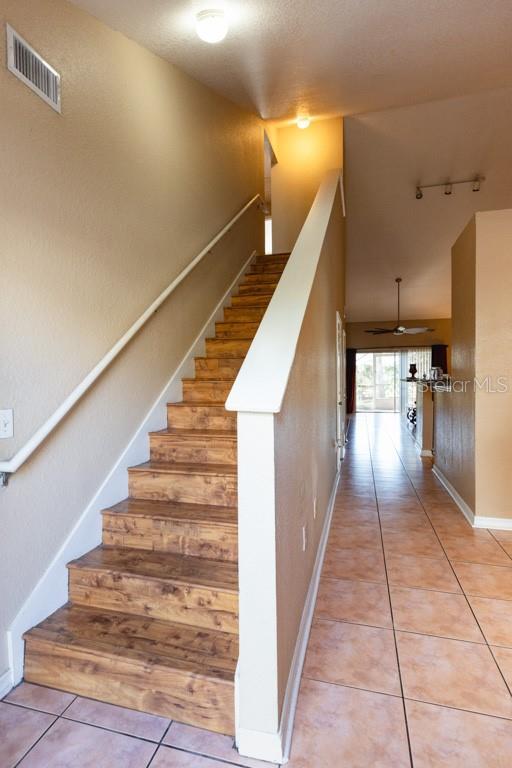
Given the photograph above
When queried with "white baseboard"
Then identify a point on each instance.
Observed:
(464, 508)
(275, 747)
(6, 683)
(52, 589)
(496, 523)
(477, 521)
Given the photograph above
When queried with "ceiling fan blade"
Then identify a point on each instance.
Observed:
(379, 331)
(418, 330)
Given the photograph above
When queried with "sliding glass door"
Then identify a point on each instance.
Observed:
(378, 381)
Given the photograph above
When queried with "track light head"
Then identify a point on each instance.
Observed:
(419, 193)
(476, 185)
(448, 189)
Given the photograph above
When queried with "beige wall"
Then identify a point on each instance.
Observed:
(305, 444)
(303, 158)
(101, 208)
(473, 437)
(357, 337)
(493, 410)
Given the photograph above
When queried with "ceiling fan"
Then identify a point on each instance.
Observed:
(398, 330)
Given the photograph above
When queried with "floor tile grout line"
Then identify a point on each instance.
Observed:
(411, 631)
(109, 730)
(68, 706)
(208, 757)
(410, 698)
(157, 747)
(507, 686)
(355, 687)
(409, 745)
(156, 744)
(36, 742)
(499, 543)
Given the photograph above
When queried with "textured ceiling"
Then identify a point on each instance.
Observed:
(329, 56)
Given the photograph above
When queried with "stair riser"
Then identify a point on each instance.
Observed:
(199, 391)
(191, 450)
(244, 314)
(189, 604)
(252, 288)
(273, 261)
(227, 347)
(200, 417)
(236, 330)
(264, 269)
(251, 301)
(188, 488)
(214, 541)
(261, 277)
(217, 368)
(159, 690)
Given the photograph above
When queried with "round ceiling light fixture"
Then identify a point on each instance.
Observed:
(303, 121)
(211, 25)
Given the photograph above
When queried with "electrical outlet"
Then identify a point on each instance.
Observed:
(6, 423)
(304, 538)
(314, 508)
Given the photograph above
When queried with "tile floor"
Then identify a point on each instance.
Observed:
(409, 660)
(44, 728)
(410, 656)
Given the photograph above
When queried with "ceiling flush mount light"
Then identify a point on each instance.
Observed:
(211, 25)
(303, 121)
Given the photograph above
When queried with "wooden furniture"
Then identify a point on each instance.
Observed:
(152, 618)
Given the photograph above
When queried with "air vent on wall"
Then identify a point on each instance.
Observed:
(32, 70)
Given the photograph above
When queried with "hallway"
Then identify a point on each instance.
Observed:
(410, 655)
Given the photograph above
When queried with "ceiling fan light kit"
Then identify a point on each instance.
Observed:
(398, 330)
(448, 185)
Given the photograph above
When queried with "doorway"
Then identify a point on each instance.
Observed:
(378, 382)
(269, 160)
(341, 396)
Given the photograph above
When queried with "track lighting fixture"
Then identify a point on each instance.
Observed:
(448, 185)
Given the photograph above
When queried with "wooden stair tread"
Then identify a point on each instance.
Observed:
(174, 510)
(227, 434)
(197, 404)
(182, 468)
(205, 652)
(161, 566)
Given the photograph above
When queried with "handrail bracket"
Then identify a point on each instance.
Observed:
(4, 479)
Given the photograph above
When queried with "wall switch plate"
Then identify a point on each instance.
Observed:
(6, 423)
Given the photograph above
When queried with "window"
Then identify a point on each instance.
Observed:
(378, 381)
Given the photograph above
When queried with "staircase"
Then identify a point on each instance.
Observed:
(152, 617)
